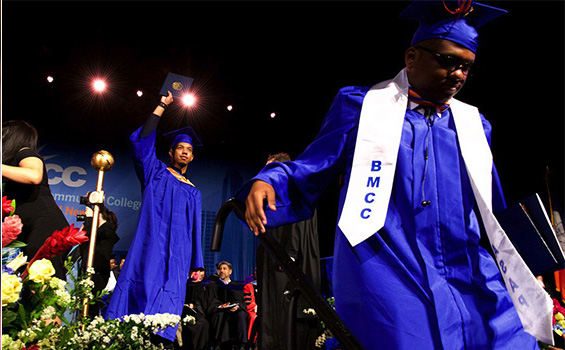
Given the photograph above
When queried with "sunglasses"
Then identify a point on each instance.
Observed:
(448, 62)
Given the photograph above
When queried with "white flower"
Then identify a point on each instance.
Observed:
(22, 333)
(86, 337)
(133, 333)
(63, 297)
(96, 320)
(6, 340)
(14, 345)
(87, 283)
(17, 262)
(309, 311)
(46, 343)
(90, 270)
(48, 313)
(189, 320)
(57, 283)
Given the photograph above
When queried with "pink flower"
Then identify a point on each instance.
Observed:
(11, 228)
(6, 206)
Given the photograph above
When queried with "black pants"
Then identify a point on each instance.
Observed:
(226, 325)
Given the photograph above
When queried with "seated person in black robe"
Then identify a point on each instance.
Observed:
(227, 311)
(195, 336)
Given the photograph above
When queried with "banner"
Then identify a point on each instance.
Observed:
(71, 176)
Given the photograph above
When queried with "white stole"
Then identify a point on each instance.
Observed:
(374, 161)
(372, 175)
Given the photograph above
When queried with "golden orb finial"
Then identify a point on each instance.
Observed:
(102, 160)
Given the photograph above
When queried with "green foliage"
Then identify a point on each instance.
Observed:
(37, 319)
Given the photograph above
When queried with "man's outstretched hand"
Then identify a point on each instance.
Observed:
(254, 213)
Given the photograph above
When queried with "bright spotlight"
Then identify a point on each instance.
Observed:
(139, 93)
(273, 115)
(99, 85)
(49, 79)
(230, 107)
(188, 100)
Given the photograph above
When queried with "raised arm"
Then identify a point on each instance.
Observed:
(167, 100)
(143, 142)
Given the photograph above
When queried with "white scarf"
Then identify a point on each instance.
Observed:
(372, 175)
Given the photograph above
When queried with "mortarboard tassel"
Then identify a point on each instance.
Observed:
(463, 7)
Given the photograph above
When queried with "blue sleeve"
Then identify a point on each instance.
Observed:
(498, 201)
(145, 157)
(298, 184)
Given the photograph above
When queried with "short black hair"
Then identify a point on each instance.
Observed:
(279, 157)
(224, 263)
(194, 269)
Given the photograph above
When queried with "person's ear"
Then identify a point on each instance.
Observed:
(171, 153)
(410, 58)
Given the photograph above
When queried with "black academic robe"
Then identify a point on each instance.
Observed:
(196, 336)
(224, 324)
(300, 241)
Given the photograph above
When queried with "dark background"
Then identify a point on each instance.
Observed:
(285, 57)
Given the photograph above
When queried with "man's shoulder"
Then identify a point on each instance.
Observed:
(350, 98)
(353, 91)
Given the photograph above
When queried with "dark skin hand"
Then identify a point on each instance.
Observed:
(254, 213)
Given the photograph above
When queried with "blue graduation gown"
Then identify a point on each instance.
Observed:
(422, 281)
(166, 244)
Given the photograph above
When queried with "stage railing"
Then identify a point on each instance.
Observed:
(303, 286)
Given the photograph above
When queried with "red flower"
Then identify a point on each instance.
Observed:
(60, 241)
(11, 228)
(6, 206)
(32, 347)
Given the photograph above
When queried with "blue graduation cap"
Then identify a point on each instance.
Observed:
(185, 134)
(177, 84)
(456, 21)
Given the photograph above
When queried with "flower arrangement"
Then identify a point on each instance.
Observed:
(11, 224)
(40, 311)
(326, 339)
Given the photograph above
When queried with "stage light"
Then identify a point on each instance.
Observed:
(273, 115)
(49, 79)
(99, 85)
(139, 93)
(230, 107)
(188, 100)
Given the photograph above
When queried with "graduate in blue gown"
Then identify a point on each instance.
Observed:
(167, 241)
(422, 281)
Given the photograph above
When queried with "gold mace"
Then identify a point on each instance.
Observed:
(101, 161)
